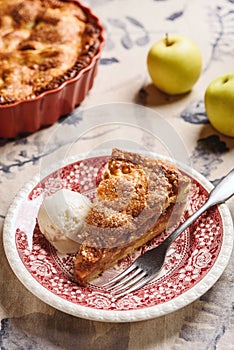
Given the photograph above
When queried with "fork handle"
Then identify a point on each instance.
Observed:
(219, 194)
(223, 190)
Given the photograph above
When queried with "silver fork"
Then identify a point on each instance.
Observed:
(148, 265)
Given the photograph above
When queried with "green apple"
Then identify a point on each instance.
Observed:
(219, 103)
(174, 64)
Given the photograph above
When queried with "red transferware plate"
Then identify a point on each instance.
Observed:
(194, 262)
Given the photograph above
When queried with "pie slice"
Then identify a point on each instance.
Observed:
(137, 199)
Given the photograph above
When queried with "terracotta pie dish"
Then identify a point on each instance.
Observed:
(49, 53)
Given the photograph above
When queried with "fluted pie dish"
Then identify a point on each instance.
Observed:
(49, 54)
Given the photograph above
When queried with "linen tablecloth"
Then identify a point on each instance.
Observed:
(131, 27)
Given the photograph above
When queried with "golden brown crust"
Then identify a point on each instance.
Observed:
(43, 43)
(136, 200)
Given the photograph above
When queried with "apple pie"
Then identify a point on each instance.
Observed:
(136, 200)
(43, 43)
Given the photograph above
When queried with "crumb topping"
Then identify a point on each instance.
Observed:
(134, 193)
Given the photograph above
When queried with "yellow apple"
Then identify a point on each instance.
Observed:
(219, 103)
(174, 64)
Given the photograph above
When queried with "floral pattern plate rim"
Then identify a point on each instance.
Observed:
(194, 262)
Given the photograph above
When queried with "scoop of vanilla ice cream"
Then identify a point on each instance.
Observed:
(61, 217)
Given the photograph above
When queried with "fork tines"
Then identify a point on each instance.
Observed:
(129, 280)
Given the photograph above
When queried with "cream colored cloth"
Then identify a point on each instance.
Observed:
(131, 28)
